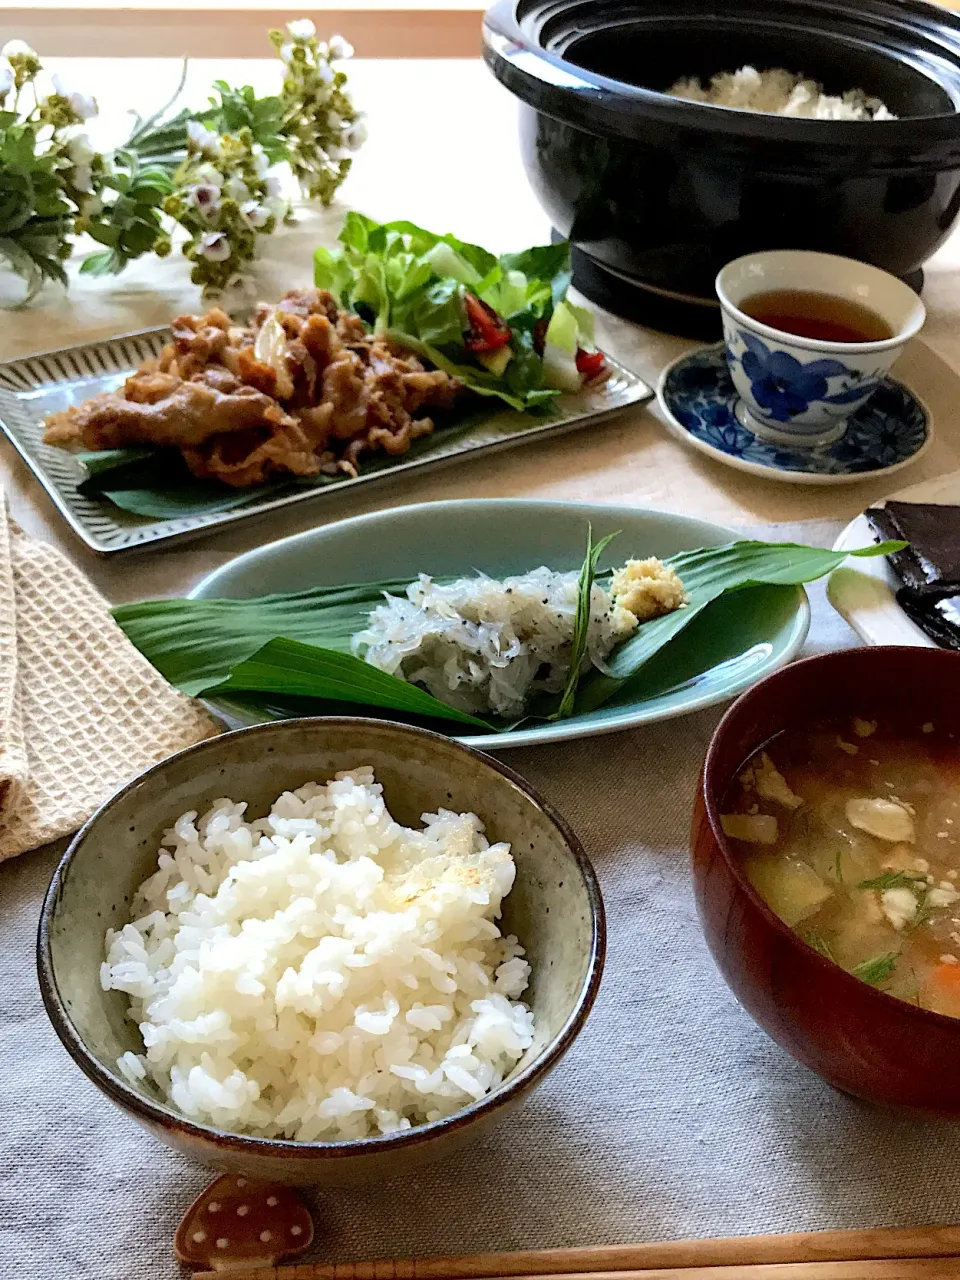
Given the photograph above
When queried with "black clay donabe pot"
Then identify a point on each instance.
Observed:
(663, 192)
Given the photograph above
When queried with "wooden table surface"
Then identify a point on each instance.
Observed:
(443, 153)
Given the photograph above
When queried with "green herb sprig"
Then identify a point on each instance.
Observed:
(581, 626)
(876, 970)
(894, 880)
(820, 945)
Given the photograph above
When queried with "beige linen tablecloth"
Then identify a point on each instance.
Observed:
(673, 1115)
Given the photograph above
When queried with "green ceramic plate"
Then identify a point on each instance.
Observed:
(500, 536)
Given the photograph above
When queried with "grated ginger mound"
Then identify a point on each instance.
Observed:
(647, 589)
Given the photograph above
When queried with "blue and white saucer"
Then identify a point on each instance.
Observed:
(698, 400)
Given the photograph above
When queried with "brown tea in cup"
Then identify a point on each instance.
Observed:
(823, 316)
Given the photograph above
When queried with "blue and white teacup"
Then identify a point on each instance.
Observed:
(797, 390)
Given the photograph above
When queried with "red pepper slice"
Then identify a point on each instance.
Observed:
(590, 364)
(487, 331)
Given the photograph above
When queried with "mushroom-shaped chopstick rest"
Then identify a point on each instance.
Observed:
(239, 1223)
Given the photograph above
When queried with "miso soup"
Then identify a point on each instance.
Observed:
(852, 836)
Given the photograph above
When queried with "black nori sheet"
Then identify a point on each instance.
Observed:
(939, 619)
(929, 567)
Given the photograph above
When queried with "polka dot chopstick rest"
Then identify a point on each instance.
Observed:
(237, 1223)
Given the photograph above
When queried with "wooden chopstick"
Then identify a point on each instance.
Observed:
(939, 1268)
(911, 1245)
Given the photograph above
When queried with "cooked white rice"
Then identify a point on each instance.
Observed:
(484, 645)
(782, 93)
(322, 973)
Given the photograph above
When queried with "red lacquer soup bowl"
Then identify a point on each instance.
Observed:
(854, 1036)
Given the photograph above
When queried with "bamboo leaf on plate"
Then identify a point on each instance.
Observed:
(196, 643)
(291, 667)
(157, 483)
(708, 574)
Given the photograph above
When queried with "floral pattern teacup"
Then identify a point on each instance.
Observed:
(801, 391)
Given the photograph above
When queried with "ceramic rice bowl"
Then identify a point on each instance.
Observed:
(555, 909)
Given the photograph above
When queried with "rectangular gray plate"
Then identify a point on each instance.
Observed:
(34, 387)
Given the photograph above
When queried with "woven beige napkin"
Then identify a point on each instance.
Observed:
(81, 710)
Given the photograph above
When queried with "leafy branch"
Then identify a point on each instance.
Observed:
(206, 178)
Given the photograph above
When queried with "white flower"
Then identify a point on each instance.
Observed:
(337, 153)
(202, 139)
(82, 104)
(81, 176)
(275, 206)
(302, 29)
(13, 47)
(206, 200)
(286, 52)
(355, 134)
(79, 149)
(340, 49)
(325, 72)
(208, 175)
(215, 246)
(273, 187)
(90, 206)
(260, 161)
(237, 189)
(256, 214)
(6, 81)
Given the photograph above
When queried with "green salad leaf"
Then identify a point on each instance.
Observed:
(413, 286)
(298, 645)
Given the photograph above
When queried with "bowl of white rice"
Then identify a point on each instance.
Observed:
(321, 950)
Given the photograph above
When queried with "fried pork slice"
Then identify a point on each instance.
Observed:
(189, 414)
(251, 457)
(196, 341)
(314, 393)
